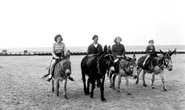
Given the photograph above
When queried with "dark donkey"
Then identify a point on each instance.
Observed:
(95, 67)
(61, 72)
(156, 66)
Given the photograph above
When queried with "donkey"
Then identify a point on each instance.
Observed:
(155, 67)
(127, 67)
(95, 68)
(61, 72)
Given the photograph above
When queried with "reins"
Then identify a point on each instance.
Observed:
(163, 64)
(98, 65)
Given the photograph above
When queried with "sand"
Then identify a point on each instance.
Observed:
(21, 87)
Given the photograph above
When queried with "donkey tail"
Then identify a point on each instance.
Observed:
(45, 76)
(47, 73)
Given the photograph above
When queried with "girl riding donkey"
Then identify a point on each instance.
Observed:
(125, 66)
(118, 50)
(58, 52)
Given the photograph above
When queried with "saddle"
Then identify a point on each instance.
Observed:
(149, 63)
(58, 60)
(90, 58)
(117, 62)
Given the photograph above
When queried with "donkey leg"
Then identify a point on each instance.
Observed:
(57, 87)
(110, 79)
(113, 81)
(52, 86)
(84, 83)
(163, 81)
(119, 82)
(127, 84)
(138, 73)
(143, 76)
(153, 79)
(92, 89)
(88, 85)
(65, 89)
(102, 89)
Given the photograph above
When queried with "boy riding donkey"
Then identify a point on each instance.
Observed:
(150, 50)
(93, 50)
(58, 52)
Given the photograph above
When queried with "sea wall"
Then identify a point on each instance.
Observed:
(72, 53)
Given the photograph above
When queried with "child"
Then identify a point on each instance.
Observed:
(58, 51)
(118, 50)
(150, 49)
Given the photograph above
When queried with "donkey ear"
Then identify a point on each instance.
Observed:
(109, 49)
(105, 49)
(134, 57)
(174, 52)
(161, 51)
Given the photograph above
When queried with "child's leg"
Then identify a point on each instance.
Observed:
(70, 76)
(146, 59)
(53, 62)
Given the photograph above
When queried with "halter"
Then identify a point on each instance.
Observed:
(62, 66)
(98, 65)
(163, 65)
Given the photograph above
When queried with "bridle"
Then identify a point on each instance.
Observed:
(165, 61)
(107, 62)
(62, 66)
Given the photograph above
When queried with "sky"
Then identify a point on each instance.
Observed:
(34, 23)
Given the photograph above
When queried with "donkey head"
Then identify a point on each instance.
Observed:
(167, 59)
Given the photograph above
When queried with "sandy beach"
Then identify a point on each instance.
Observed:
(21, 87)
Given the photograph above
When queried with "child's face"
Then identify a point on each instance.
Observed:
(59, 39)
(151, 43)
(118, 40)
(96, 39)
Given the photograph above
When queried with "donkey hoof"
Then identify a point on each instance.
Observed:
(128, 93)
(164, 89)
(58, 94)
(144, 85)
(137, 82)
(110, 86)
(65, 97)
(118, 90)
(91, 96)
(103, 99)
(153, 87)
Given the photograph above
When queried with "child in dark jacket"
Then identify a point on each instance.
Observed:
(150, 49)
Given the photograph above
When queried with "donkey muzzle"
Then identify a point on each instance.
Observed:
(67, 72)
(112, 68)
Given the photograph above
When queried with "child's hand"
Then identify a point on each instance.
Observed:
(57, 57)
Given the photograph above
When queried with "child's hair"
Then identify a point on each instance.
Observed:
(115, 41)
(58, 35)
(151, 41)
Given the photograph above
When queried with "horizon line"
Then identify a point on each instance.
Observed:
(87, 46)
